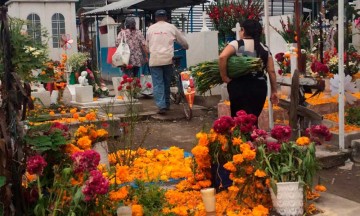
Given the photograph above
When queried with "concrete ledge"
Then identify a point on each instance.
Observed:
(333, 205)
(348, 138)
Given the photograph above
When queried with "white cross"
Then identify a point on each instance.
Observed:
(204, 27)
(237, 30)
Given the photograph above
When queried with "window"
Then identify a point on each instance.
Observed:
(34, 27)
(58, 28)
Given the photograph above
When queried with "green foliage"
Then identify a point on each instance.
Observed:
(291, 164)
(150, 196)
(44, 141)
(77, 61)
(27, 54)
(353, 116)
(2, 181)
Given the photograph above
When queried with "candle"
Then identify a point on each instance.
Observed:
(124, 211)
(208, 197)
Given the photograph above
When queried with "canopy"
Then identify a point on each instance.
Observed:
(114, 6)
(165, 4)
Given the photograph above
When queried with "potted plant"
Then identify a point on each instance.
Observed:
(291, 165)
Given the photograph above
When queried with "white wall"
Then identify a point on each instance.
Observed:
(45, 10)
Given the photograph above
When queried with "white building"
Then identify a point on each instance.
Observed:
(57, 16)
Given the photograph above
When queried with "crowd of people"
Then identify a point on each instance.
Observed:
(245, 93)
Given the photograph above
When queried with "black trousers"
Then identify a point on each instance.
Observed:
(247, 93)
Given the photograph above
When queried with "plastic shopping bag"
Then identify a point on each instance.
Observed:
(122, 55)
(146, 85)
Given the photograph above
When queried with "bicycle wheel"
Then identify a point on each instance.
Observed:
(186, 107)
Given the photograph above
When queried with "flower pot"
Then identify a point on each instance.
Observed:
(289, 199)
(103, 150)
(220, 177)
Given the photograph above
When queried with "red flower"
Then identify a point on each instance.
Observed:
(120, 88)
(85, 161)
(148, 85)
(281, 133)
(129, 80)
(129, 66)
(96, 184)
(273, 146)
(223, 124)
(35, 164)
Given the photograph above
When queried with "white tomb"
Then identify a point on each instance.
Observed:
(84, 94)
(39, 92)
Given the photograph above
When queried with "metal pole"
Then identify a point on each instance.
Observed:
(341, 75)
(267, 40)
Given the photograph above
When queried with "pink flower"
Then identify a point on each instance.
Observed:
(97, 184)
(35, 165)
(281, 133)
(319, 132)
(273, 146)
(259, 135)
(223, 124)
(85, 161)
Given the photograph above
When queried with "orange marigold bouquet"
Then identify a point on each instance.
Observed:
(88, 135)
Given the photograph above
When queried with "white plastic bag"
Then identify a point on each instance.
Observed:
(122, 54)
(146, 85)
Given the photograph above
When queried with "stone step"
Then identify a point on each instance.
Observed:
(355, 151)
(330, 156)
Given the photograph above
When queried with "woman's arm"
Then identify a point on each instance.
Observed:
(272, 76)
(223, 58)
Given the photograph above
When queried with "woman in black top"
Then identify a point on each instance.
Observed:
(249, 92)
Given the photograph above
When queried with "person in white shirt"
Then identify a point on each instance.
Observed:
(160, 38)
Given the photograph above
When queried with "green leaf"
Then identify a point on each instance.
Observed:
(2, 181)
(78, 196)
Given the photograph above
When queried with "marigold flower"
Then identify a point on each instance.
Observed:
(237, 141)
(51, 113)
(230, 166)
(76, 115)
(320, 188)
(249, 169)
(303, 141)
(260, 210)
(137, 210)
(118, 195)
(260, 173)
(238, 158)
(73, 110)
(249, 155)
(84, 142)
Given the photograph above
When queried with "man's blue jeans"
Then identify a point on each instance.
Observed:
(161, 78)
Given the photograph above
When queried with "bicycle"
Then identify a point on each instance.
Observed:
(177, 95)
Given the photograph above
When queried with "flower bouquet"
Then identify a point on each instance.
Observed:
(283, 60)
(207, 74)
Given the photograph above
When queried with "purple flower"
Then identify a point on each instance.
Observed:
(35, 164)
(96, 184)
(281, 133)
(85, 161)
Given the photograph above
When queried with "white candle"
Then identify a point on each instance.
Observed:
(208, 197)
(124, 211)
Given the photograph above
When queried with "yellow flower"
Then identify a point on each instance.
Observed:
(303, 141)
(102, 133)
(260, 173)
(320, 188)
(110, 115)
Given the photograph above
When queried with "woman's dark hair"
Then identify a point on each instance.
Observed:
(252, 28)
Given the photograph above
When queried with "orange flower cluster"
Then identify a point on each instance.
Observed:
(87, 135)
(335, 118)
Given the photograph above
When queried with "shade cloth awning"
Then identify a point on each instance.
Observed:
(165, 4)
(114, 6)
